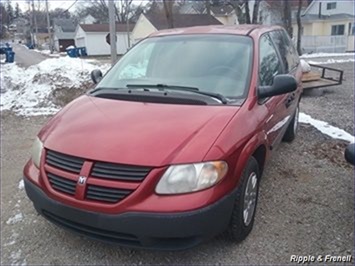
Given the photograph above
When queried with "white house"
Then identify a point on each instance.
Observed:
(328, 26)
(94, 38)
(225, 14)
(63, 36)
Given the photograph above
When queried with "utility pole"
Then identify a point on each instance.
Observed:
(35, 20)
(128, 31)
(111, 15)
(49, 28)
(31, 21)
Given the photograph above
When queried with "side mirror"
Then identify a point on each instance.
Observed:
(350, 153)
(96, 75)
(282, 85)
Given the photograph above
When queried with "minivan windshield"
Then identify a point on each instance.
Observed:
(218, 64)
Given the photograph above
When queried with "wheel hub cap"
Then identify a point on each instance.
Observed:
(250, 199)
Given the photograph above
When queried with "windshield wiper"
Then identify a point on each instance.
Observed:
(179, 88)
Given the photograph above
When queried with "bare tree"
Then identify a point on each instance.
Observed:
(247, 12)
(99, 10)
(208, 7)
(237, 5)
(168, 7)
(299, 26)
(256, 11)
(287, 17)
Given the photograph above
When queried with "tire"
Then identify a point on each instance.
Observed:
(240, 225)
(292, 128)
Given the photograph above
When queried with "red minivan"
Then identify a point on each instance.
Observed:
(168, 149)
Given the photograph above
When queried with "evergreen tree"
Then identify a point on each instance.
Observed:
(10, 13)
(18, 12)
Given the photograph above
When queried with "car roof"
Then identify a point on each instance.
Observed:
(244, 29)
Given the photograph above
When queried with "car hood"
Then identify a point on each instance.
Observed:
(135, 133)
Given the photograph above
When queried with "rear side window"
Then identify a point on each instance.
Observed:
(287, 50)
(269, 63)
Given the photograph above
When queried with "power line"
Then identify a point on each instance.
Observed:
(71, 6)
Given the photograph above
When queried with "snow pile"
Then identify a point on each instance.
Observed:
(29, 91)
(332, 61)
(326, 129)
(318, 55)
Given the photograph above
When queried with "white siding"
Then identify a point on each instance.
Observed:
(142, 29)
(95, 42)
(80, 40)
(342, 7)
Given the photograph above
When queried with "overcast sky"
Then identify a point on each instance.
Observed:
(55, 3)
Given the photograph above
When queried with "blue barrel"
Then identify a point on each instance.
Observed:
(10, 57)
(82, 51)
(72, 52)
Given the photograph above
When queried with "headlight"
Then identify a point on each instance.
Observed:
(37, 152)
(191, 177)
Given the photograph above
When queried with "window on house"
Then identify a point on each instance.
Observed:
(338, 29)
(332, 5)
(351, 30)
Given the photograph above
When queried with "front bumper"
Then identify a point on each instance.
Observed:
(169, 231)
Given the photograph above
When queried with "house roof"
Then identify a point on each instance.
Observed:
(105, 27)
(67, 25)
(222, 10)
(182, 20)
(314, 17)
(65, 35)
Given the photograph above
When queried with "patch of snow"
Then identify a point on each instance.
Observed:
(70, 47)
(305, 66)
(332, 61)
(27, 91)
(326, 55)
(12, 242)
(13, 220)
(21, 184)
(15, 256)
(325, 128)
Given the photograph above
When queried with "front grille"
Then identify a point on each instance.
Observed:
(62, 184)
(100, 234)
(100, 170)
(106, 194)
(64, 162)
(119, 172)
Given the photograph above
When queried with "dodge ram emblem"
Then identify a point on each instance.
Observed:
(82, 180)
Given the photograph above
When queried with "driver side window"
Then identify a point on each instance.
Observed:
(269, 63)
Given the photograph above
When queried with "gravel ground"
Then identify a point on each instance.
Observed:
(306, 204)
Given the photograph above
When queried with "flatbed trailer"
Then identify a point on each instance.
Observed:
(321, 76)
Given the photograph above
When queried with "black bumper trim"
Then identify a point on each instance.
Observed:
(162, 231)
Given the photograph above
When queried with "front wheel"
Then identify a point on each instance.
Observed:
(243, 214)
(292, 129)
